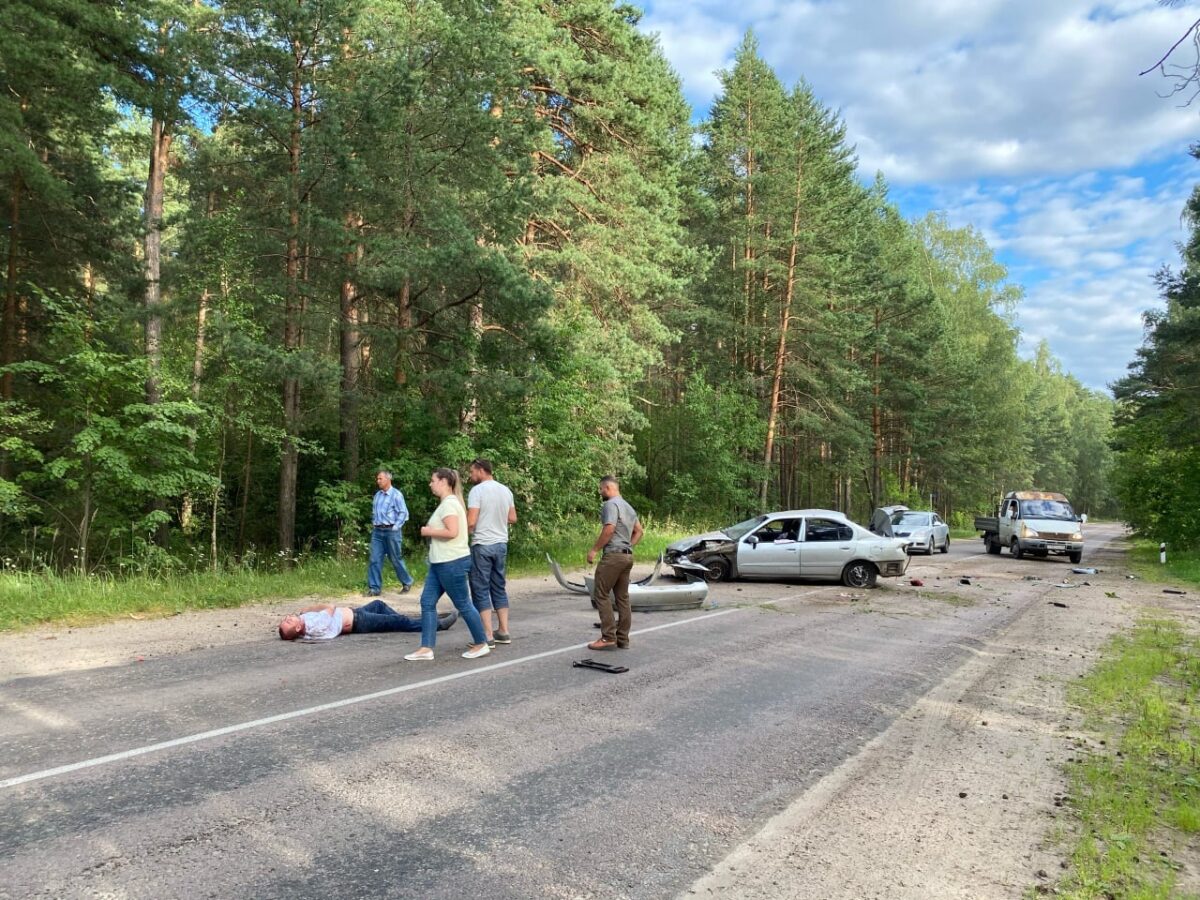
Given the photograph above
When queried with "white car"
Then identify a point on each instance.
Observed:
(800, 543)
(923, 531)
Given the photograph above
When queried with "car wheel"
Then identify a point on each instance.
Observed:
(1075, 557)
(992, 546)
(946, 546)
(1017, 552)
(929, 546)
(859, 574)
(715, 569)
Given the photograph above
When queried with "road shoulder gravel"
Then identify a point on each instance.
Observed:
(963, 795)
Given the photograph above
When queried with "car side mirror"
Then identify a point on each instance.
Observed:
(752, 541)
(1083, 519)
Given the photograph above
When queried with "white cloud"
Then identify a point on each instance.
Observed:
(1025, 119)
(950, 89)
(1085, 247)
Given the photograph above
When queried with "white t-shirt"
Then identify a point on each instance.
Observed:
(321, 626)
(448, 549)
(493, 500)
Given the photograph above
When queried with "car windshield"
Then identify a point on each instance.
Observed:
(741, 529)
(1047, 509)
(911, 518)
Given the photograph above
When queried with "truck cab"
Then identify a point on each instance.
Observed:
(1034, 523)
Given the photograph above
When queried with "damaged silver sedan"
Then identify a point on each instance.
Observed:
(820, 544)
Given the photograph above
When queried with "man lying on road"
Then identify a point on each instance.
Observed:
(324, 622)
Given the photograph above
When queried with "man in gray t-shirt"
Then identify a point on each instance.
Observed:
(620, 531)
(490, 510)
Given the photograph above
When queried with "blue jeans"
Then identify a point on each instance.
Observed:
(377, 616)
(488, 588)
(448, 578)
(385, 542)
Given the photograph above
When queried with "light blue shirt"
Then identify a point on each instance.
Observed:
(322, 626)
(389, 508)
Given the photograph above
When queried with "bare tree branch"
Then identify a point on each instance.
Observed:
(1165, 56)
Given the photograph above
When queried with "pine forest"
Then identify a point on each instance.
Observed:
(254, 251)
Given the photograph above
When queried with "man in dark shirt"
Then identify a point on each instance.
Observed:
(620, 531)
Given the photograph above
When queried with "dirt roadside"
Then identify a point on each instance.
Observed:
(961, 796)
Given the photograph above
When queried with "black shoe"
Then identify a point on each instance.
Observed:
(407, 588)
(447, 620)
(371, 594)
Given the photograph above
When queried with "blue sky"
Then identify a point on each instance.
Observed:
(1025, 119)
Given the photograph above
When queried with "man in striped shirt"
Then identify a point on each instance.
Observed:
(388, 515)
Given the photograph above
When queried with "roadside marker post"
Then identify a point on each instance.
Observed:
(1162, 553)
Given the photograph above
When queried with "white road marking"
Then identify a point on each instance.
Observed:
(312, 710)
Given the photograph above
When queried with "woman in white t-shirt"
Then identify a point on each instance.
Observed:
(449, 566)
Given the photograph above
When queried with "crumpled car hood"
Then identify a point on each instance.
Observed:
(688, 543)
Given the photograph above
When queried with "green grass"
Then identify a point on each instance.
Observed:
(951, 599)
(1182, 565)
(33, 599)
(1140, 792)
(570, 542)
(28, 599)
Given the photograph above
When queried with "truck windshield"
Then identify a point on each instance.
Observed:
(1047, 509)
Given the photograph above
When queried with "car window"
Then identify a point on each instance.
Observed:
(779, 530)
(827, 530)
(733, 532)
(937, 520)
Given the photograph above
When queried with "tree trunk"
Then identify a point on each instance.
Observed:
(185, 512)
(350, 358)
(400, 368)
(8, 330)
(470, 413)
(85, 519)
(216, 505)
(747, 250)
(290, 453)
(160, 150)
(246, 469)
(781, 346)
(404, 321)
(876, 420)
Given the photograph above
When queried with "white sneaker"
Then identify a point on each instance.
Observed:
(420, 655)
(482, 650)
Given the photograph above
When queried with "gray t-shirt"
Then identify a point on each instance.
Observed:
(493, 500)
(617, 512)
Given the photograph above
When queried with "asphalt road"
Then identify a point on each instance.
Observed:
(339, 770)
